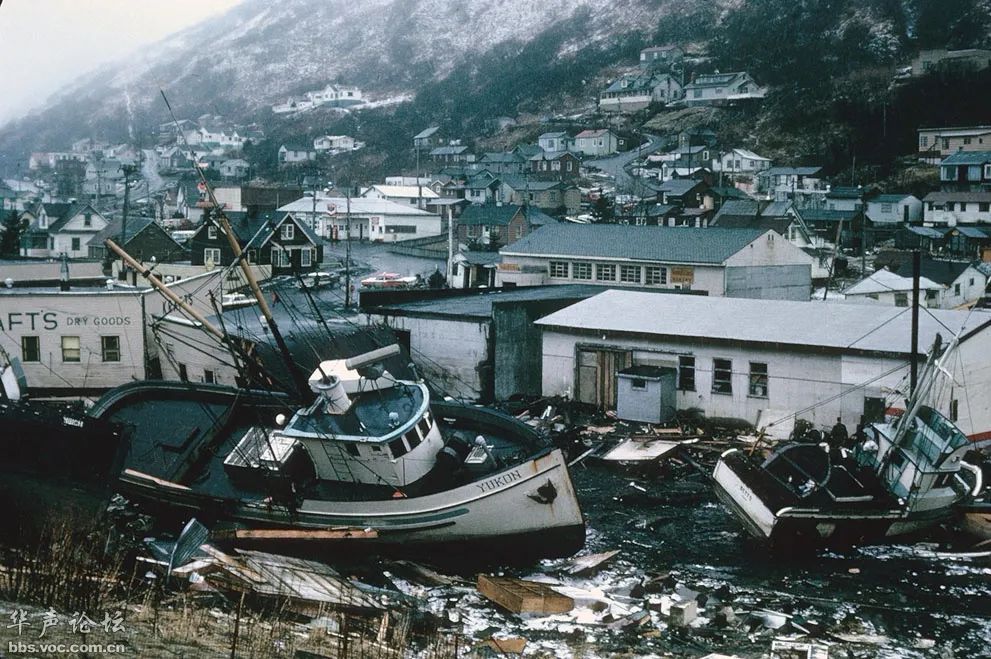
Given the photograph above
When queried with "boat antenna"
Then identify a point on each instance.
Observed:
(240, 257)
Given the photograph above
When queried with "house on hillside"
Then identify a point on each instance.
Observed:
(416, 196)
(716, 88)
(550, 196)
(966, 170)
(661, 57)
(235, 168)
(272, 238)
(684, 192)
(503, 162)
(451, 154)
(940, 59)
(963, 282)
(802, 185)
(556, 141)
(498, 225)
(428, 139)
(938, 143)
(727, 262)
(742, 162)
(482, 188)
(596, 142)
(892, 209)
(57, 229)
(556, 165)
(633, 92)
(334, 143)
(886, 287)
(295, 154)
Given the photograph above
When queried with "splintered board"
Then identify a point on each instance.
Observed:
(519, 596)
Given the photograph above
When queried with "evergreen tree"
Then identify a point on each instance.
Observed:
(10, 241)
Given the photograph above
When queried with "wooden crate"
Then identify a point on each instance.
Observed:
(519, 596)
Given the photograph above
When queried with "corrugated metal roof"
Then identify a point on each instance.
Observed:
(854, 327)
(968, 158)
(939, 197)
(663, 244)
(477, 303)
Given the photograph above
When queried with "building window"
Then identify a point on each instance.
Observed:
(305, 258)
(956, 291)
(581, 270)
(885, 208)
(30, 349)
(686, 373)
(211, 255)
(288, 231)
(656, 275)
(987, 171)
(983, 207)
(722, 376)
(559, 269)
(605, 272)
(75, 244)
(252, 256)
(966, 141)
(954, 409)
(638, 384)
(630, 274)
(758, 379)
(182, 373)
(963, 206)
(208, 377)
(110, 348)
(211, 232)
(88, 220)
(925, 141)
(901, 299)
(70, 348)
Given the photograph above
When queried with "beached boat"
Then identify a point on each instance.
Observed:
(372, 461)
(900, 477)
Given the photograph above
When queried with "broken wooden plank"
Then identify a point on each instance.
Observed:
(520, 596)
(506, 645)
(302, 534)
(584, 564)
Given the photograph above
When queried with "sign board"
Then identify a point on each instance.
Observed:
(682, 275)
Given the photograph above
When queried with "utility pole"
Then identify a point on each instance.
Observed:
(128, 170)
(347, 249)
(916, 267)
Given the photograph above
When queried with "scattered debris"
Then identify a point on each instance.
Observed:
(683, 613)
(519, 596)
(506, 645)
(783, 648)
(587, 564)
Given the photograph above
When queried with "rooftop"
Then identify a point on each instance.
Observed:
(943, 272)
(633, 243)
(967, 158)
(885, 281)
(844, 327)
(479, 302)
(358, 206)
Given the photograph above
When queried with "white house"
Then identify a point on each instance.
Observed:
(723, 262)
(56, 229)
(334, 143)
(740, 358)
(235, 168)
(894, 208)
(742, 161)
(600, 142)
(635, 91)
(888, 288)
(367, 218)
(556, 141)
(290, 154)
(949, 209)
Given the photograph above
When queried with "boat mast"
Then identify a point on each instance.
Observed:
(916, 267)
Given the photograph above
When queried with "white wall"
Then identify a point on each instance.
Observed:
(447, 352)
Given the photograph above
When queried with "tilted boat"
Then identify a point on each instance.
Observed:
(372, 461)
(901, 476)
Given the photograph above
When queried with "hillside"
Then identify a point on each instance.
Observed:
(829, 65)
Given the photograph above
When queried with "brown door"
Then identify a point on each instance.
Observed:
(597, 369)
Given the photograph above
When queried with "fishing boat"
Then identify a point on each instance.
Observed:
(391, 280)
(373, 461)
(901, 476)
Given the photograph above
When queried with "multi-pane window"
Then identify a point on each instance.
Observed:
(605, 272)
(656, 275)
(686, 372)
(211, 255)
(70, 348)
(288, 231)
(30, 349)
(559, 269)
(211, 232)
(110, 348)
(305, 258)
(758, 379)
(722, 376)
(629, 274)
(581, 270)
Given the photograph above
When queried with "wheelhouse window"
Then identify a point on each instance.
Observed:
(559, 269)
(398, 447)
(686, 372)
(110, 348)
(758, 379)
(30, 349)
(70, 349)
(722, 376)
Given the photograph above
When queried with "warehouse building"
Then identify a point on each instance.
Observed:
(756, 263)
(742, 358)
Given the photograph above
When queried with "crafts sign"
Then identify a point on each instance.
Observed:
(38, 321)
